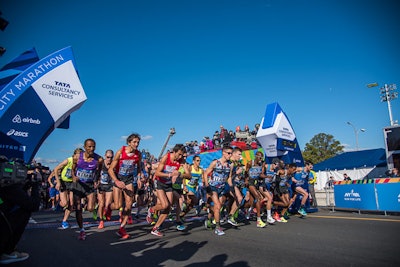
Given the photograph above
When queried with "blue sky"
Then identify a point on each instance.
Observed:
(147, 66)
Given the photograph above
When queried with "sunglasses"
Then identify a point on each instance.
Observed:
(229, 153)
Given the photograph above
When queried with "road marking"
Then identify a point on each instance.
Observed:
(351, 218)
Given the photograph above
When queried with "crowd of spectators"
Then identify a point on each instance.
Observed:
(224, 137)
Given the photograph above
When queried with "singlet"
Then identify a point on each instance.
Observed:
(270, 173)
(128, 163)
(220, 174)
(255, 171)
(169, 167)
(86, 171)
(283, 179)
(66, 173)
(302, 178)
(104, 176)
(196, 177)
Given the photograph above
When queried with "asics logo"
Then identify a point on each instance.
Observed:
(17, 133)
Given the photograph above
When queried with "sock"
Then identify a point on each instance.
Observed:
(268, 213)
(258, 218)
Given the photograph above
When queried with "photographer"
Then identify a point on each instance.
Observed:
(17, 202)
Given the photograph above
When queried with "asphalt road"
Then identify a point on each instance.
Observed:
(323, 238)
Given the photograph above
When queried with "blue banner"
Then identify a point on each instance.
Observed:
(388, 196)
(355, 196)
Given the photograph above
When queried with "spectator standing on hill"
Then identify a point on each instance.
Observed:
(216, 140)
(209, 143)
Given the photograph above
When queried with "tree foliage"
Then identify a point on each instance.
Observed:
(321, 147)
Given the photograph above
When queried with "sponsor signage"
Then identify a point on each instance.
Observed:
(36, 102)
(355, 196)
(277, 137)
(376, 196)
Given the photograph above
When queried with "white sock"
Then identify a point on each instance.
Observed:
(268, 213)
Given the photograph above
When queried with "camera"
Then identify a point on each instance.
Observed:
(12, 171)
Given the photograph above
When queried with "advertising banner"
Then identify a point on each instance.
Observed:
(388, 192)
(37, 101)
(355, 196)
(277, 137)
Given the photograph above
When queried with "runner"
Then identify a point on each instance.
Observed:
(54, 194)
(239, 194)
(283, 183)
(268, 188)
(220, 172)
(127, 165)
(192, 184)
(299, 180)
(254, 169)
(104, 196)
(65, 185)
(179, 200)
(85, 176)
(166, 174)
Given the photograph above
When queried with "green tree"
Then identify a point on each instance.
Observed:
(321, 147)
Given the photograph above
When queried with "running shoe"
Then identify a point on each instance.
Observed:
(207, 224)
(13, 257)
(223, 219)
(149, 217)
(247, 215)
(261, 224)
(155, 219)
(82, 235)
(95, 212)
(218, 231)
(64, 225)
(232, 221)
(180, 226)
(122, 233)
(101, 225)
(108, 214)
(276, 217)
(130, 220)
(156, 231)
(283, 219)
(302, 212)
(270, 220)
(286, 216)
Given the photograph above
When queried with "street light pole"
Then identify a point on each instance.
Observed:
(356, 133)
(171, 133)
(388, 93)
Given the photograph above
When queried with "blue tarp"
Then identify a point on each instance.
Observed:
(354, 159)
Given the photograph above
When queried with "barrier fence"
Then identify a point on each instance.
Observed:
(381, 194)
